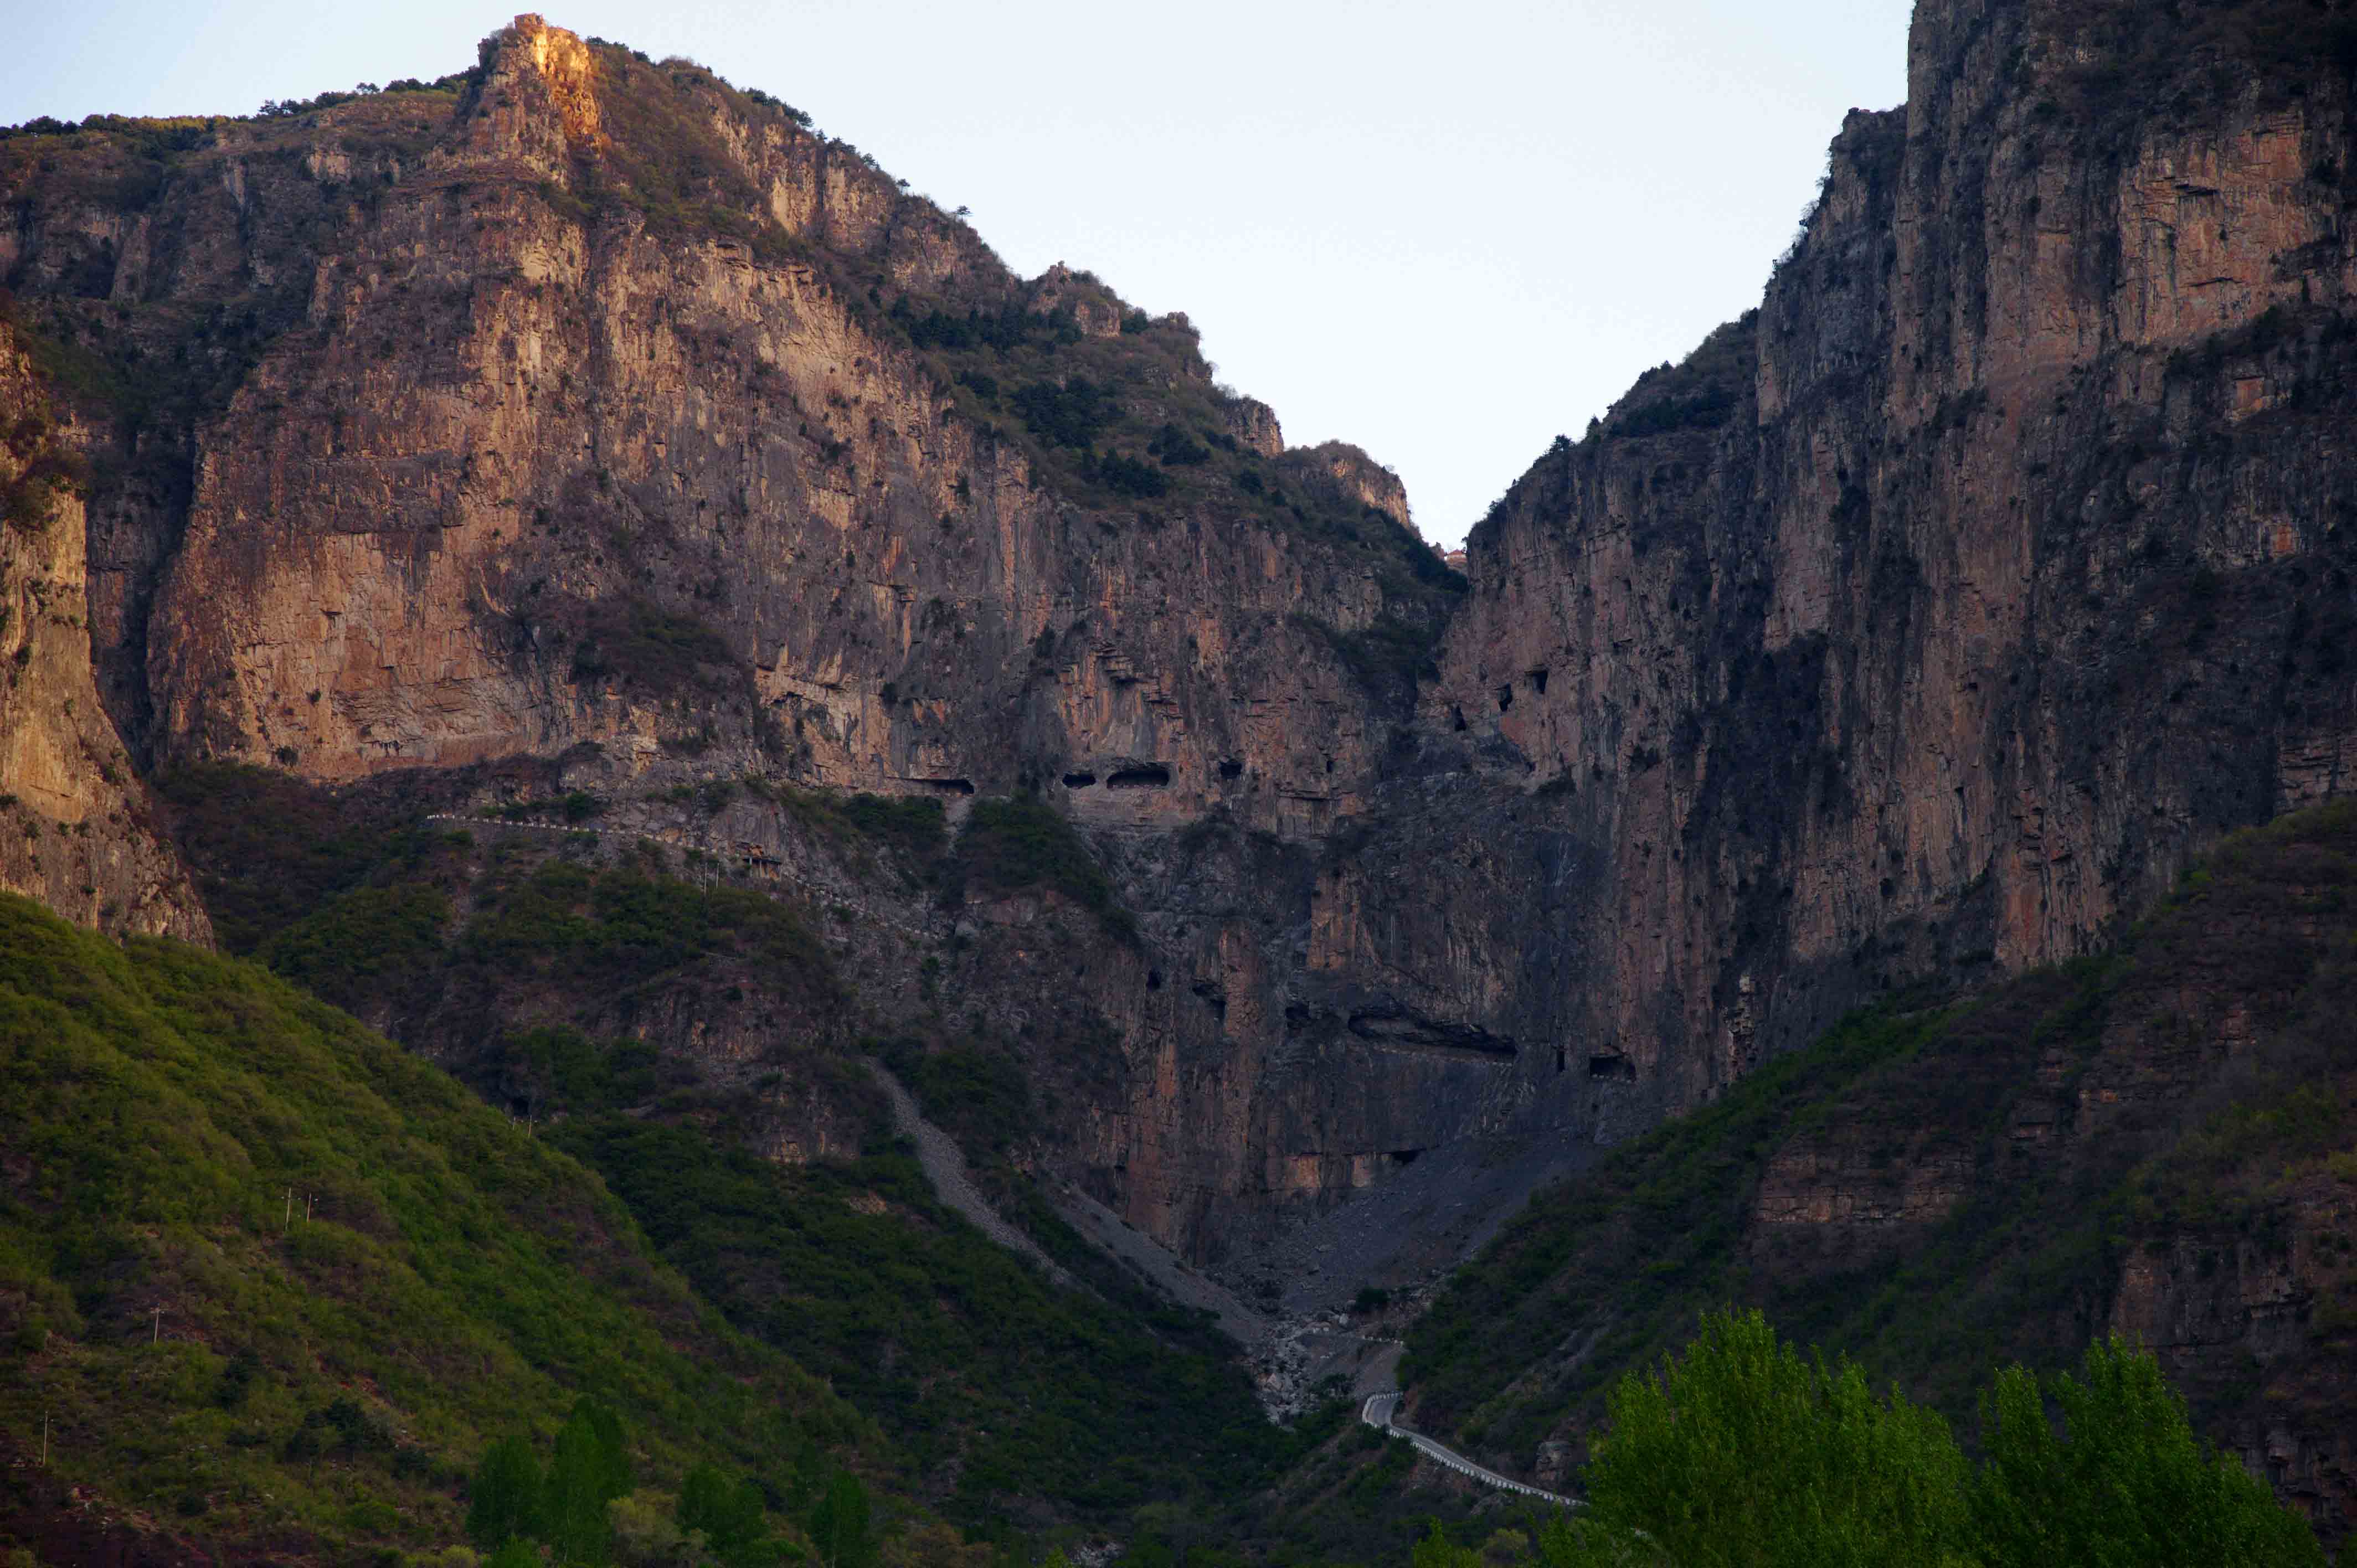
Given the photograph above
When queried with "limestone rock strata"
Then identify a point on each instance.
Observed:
(498, 420)
(1932, 616)
(473, 450)
(77, 831)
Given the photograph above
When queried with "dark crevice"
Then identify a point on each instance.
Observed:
(1079, 781)
(1152, 775)
(1396, 1026)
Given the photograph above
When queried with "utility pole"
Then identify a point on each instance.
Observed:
(286, 1220)
(156, 1335)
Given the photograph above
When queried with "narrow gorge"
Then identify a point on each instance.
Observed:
(582, 444)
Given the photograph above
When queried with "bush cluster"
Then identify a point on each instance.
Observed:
(1071, 414)
(1023, 841)
(1742, 1451)
(642, 643)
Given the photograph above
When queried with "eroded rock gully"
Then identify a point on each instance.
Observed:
(1922, 623)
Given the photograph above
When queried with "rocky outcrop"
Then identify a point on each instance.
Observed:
(78, 832)
(1935, 614)
(588, 409)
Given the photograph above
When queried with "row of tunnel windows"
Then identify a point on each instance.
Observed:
(1151, 776)
(1538, 684)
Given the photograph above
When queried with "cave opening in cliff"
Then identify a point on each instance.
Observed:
(950, 786)
(1151, 776)
(1153, 980)
(1229, 768)
(1079, 781)
(1562, 1059)
(1404, 1156)
(1613, 1068)
(1505, 698)
(1538, 681)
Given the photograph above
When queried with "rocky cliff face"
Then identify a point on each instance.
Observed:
(1932, 615)
(1922, 622)
(78, 832)
(586, 409)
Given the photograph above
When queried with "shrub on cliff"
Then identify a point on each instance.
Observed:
(2135, 61)
(1176, 448)
(1124, 476)
(1022, 842)
(1072, 414)
(644, 644)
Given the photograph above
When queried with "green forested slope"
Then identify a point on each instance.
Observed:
(216, 1359)
(1028, 1395)
(2157, 1141)
(1011, 1403)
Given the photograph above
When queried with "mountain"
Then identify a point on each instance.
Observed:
(585, 409)
(1930, 618)
(81, 835)
(590, 575)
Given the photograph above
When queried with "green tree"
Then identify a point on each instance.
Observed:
(839, 1525)
(728, 1511)
(612, 1450)
(2132, 1483)
(504, 1502)
(1743, 1452)
(1437, 1551)
(516, 1553)
(806, 1470)
(592, 1468)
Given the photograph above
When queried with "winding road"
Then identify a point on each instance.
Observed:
(944, 1165)
(1377, 1413)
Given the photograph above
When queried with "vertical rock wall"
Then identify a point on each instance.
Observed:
(77, 832)
(1929, 617)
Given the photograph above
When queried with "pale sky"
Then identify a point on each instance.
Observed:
(1442, 231)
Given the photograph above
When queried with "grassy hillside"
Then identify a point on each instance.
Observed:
(568, 982)
(1024, 1400)
(2156, 1140)
(222, 1361)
